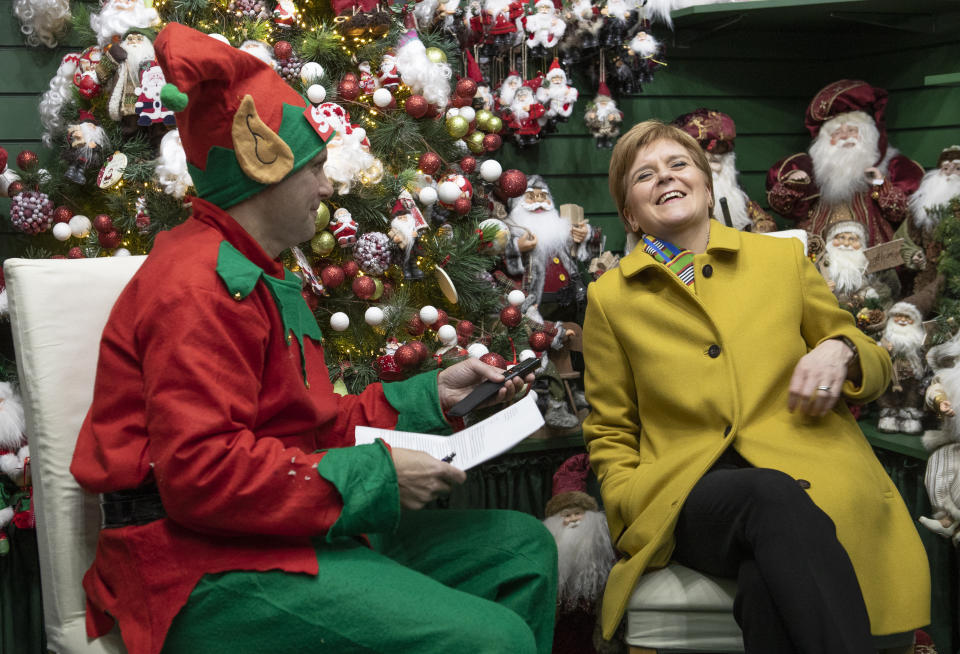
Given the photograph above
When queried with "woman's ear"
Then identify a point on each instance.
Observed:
(627, 218)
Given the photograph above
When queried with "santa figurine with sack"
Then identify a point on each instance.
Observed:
(602, 118)
(901, 405)
(716, 133)
(850, 171)
(585, 555)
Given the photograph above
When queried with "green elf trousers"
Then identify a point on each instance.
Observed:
(446, 582)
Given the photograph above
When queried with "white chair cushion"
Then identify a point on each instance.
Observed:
(58, 309)
(679, 609)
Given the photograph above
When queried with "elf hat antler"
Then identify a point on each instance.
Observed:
(242, 127)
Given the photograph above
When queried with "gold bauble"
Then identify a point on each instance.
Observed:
(482, 117)
(323, 216)
(457, 126)
(494, 124)
(436, 55)
(323, 243)
(377, 289)
(475, 142)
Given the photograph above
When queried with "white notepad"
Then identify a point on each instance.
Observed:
(473, 445)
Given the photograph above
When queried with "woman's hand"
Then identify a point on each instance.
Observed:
(818, 378)
(422, 478)
(456, 382)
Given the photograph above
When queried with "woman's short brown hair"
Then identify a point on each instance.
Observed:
(640, 136)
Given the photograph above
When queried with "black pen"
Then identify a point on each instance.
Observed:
(449, 457)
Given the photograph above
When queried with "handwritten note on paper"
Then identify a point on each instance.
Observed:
(473, 445)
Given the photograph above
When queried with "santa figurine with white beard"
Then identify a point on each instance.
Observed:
(585, 555)
(88, 143)
(942, 478)
(500, 22)
(901, 406)
(556, 95)
(716, 133)
(544, 28)
(921, 249)
(542, 254)
(171, 169)
(524, 116)
(844, 266)
(850, 173)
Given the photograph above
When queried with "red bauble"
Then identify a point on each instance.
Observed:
(539, 341)
(387, 292)
(442, 319)
(350, 77)
(513, 183)
(27, 160)
(465, 328)
(350, 268)
(364, 287)
(62, 214)
(109, 240)
(416, 106)
(416, 326)
(406, 356)
(332, 276)
(388, 369)
(432, 111)
(282, 49)
(462, 206)
(429, 162)
(348, 90)
(422, 351)
(510, 316)
(75, 253)
(466, 88)
(462, 340)
(15, 188)
(102, 223)
(492, 142)
(459, 101)
(3, 158)
(494, 359)
(310, 298)
(468, 165)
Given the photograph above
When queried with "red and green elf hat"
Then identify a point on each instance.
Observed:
(242, 127)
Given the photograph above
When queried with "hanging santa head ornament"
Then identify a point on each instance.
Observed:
(117, 17)
(845, 97)
(715, 131)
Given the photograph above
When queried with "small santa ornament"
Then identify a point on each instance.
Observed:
(544, 28)
(603, 118)
(556, 95)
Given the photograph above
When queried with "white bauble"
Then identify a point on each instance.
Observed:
(428, 195)
(62, 231)
(311, 73)
(448, 192)
(447, 334)
(359, 133)
(477, 350)
(80, 225)
(121, 252)
(382, 97)
(373, 316)
(527, 354)
(468, 113)
(516, 297)
(316, 93)
(490, 170)
(462, 146)
(453, 111)
(339, 321)
(428, 314)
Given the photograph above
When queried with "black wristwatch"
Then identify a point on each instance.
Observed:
(856, 353)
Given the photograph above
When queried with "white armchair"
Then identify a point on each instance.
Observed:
(58, 309)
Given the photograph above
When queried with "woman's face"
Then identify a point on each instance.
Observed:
(666, 193)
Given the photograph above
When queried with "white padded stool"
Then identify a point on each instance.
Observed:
(676, 609)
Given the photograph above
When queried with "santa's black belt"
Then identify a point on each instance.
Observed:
(136, 506)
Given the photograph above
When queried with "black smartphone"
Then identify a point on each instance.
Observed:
(485, 390)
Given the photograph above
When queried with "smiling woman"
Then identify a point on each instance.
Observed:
(754, 470)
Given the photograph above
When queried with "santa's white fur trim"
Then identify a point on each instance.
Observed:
(12, 423)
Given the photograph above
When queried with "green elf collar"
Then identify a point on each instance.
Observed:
(241, 276)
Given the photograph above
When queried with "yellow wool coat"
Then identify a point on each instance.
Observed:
(677, 375)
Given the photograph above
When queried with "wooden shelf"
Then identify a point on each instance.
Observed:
(906, 444)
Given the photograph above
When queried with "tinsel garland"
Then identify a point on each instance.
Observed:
(948, 306)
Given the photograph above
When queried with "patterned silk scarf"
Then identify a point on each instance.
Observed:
(677, 260)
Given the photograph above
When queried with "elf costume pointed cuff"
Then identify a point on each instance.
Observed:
(418, 403)
(367, 481)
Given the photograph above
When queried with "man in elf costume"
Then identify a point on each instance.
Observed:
(238, 511)
(851, 172)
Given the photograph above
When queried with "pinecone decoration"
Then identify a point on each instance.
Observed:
(31, 212)
(251, 9)
(373, 253)
(289, 68)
